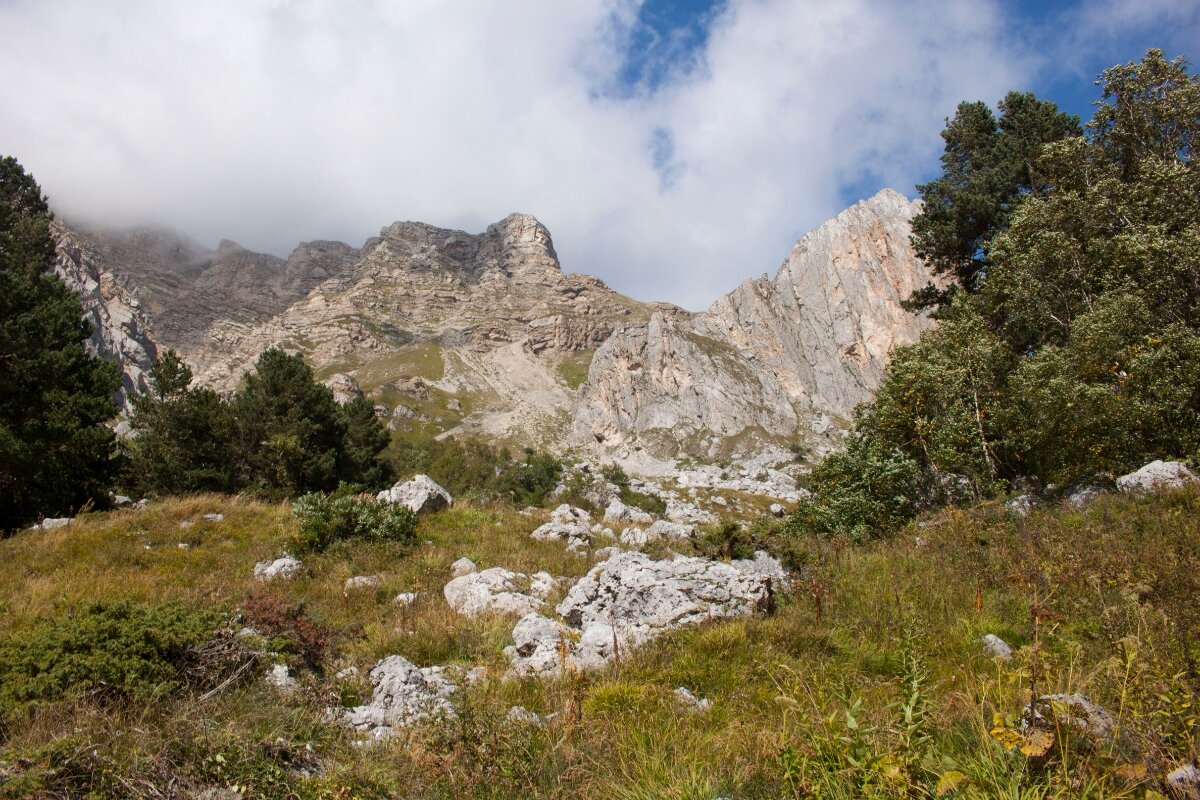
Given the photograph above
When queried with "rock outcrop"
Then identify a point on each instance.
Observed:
(402, 694)
(120, 329)
(630, 599)
(775, 358)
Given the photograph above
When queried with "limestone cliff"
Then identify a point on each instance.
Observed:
(783, 358)
(120, 331)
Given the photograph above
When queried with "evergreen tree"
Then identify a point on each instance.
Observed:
(55, 451)
(366, 437)
(291, 431)
(186, 437)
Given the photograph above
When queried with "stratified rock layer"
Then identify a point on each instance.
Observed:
(775, 358)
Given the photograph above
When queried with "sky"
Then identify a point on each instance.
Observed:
(673, 148)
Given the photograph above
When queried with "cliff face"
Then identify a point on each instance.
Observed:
(775, 359)
(452, 332)
(120, 329)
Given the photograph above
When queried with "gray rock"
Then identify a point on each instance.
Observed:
(285, 567)
(1022, 505)
(50, 523)
(1077, 712)
(422, 495)
(1084, 496)
(520, 715)
(359, 582)
(671, 531)
(213, 517)
(691, 701)
(405, 599)
(281, 678)
(402, 694)
(493, 591)
(344, 387)
(464, 566)
(634, 537)
(1157, 475)
(572, 526)
(1183, 783)
(630, 599)
(620, 512)
(995, 647)
(776, 510)
(120, 500)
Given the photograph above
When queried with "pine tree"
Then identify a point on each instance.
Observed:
(55, 451)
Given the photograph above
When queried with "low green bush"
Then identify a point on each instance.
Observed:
(107, 650)
(327, 518)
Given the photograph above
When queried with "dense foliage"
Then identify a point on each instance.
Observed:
(108, 650)
(1075, 348)
(325, 519)
(281, 435)
(55, 451)
(471, 467)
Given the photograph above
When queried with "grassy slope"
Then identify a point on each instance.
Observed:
(897, 623)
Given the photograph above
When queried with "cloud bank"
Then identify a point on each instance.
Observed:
(270, 122)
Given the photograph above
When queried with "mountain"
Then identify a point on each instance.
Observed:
(450, 332)
(773, 362)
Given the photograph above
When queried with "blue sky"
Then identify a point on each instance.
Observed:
(673, 148)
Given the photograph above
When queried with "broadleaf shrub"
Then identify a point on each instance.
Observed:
(325, 519)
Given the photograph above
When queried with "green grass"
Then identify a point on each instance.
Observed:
(869, 681)
(574, 368)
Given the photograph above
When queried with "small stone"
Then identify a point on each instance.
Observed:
(475, 676)
(183, 546)
(120, 500)
(281, 678)
(776, 510)
(213, 517)
(187, 523)
(464, 566)
(286, 567)
(521, 715)
(54, 522)
(995, 647)
(405, 599)
(691, 701)
(362, 582)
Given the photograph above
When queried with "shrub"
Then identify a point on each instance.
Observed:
(290, 628)
(110, 650)
(325, 519)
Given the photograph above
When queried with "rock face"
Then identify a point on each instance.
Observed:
(775, 358)
(630, 599)
(120, 328)
(485, 334)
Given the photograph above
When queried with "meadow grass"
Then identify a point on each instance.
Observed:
(868, 681)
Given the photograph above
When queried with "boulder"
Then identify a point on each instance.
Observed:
(1022, 504)
(671, 531)
(1076, 712)
(402, 694)
(619, 512)
(421, 495)
(345, 388)
(405, 599)
(50, 523)
(569, 525)
(776, 510)
(285, 567)
(1157, 475)
(464, 566)
(630, 599)
(494, 591)
(1084, 496)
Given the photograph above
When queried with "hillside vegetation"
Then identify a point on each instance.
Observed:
(868, 681)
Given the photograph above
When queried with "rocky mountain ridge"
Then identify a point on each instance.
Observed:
(773, 360)
(484, 333)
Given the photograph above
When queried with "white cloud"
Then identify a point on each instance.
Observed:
(270, 122)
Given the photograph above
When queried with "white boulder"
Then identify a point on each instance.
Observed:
(402, 694)
(285, 567)
(1157, 475)
(494, 591)
(422, 495)
(464, 566)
